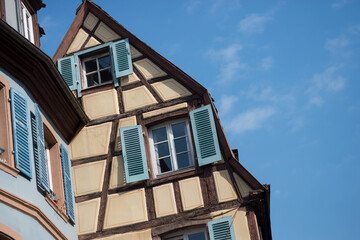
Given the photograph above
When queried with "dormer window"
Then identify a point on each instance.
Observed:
(98, 70)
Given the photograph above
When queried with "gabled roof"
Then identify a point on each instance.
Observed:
(89, 6)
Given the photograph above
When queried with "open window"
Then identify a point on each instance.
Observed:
(6, 156)
(96, 66)
(19, 17)
(171, 147)
(51, 165)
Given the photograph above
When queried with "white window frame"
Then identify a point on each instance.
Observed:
(170, 137)
(97, 56)
(27, 23)
(48, 159)
(185, 234)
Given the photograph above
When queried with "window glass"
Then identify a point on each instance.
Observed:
(98, 70)
(27, 24)
(197, 236)
(11, 13)
(171, 147)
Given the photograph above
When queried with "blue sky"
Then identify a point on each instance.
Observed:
(285, 79)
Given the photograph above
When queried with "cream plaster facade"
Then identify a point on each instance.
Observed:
(125, 208)
(101, 104)
(88, 178)
(224, 188)
(170, 89)
(91, 141)
(87, 215)
(164, 199)
(191, 195)
(137, 98)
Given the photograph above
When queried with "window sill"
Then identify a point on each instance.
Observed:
(57, 209)
(174, 175)
(101, 87)
(9, 169)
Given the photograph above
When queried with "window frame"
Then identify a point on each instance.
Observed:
(96, 55)
(184, 234)
(27, 23)
(6, 125)
(167, 124)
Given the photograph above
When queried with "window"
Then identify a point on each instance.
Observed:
(18, 16)
(27, 23)
(171, 147)
(100, 64)
(198, 234)
(50, 157)
(11, 13)
(6, 156)
(98, 70)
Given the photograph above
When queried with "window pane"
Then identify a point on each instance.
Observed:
(179, 129)
(181, 145)
(162, 149)
(92, 79)
(11, 13)
(106, 75)
(90, 66)
(159, 135)
(104, 62)
(165, 165)
(183, 160)
(197, 236)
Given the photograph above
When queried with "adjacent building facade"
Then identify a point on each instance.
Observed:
(36, 195)
(153, 162)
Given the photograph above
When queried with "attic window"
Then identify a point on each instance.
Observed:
(98, 70)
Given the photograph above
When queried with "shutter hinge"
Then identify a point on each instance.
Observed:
(9, 99)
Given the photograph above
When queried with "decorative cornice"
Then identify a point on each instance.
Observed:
(31, 210)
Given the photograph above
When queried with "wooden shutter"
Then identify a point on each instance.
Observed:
(19, 116)
(41, 155)
(122, 58)
(67, 183)
(67, 69)
(221, 229)
(205, 136)
(133, 151)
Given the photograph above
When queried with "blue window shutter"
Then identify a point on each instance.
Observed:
(221, 229)
(133, 151)
(42, 160)
(19, 116)
(67, 69)
(205, 136)
(122, 58)
(69, 199)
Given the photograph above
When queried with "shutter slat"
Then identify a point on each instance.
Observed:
(20, 132)
(122, 58)
(69, 199)
(221, 229)
(135, 164)
(205, 136)
(67, 69)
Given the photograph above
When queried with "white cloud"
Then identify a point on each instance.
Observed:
(226, 104)
(266, 63)
(229, 61)
(355, 29)
(253, 23)
(191, 6)
(339, 4)
(216, 5)
(250, 120)
(328, 81)
(336, 44)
